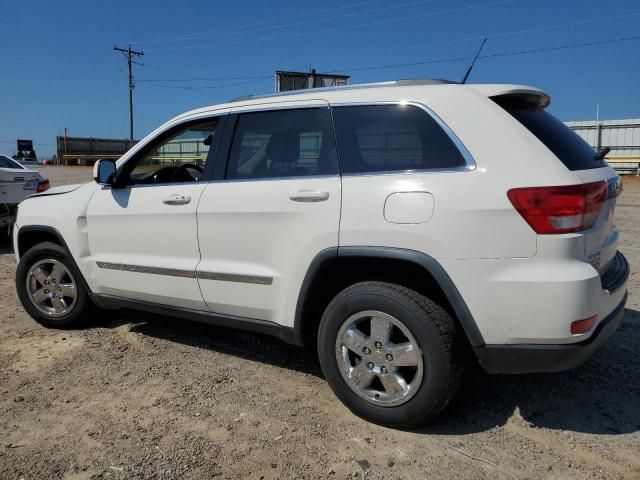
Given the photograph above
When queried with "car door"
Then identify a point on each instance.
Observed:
(276, 208)
(143, 234)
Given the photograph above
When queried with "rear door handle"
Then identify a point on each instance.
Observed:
(309, 196)
(177, 199)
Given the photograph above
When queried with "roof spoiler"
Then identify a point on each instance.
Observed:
(516, 94)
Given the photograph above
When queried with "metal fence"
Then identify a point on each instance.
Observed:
(622, 136)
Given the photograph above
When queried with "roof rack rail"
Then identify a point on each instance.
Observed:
(393, 83)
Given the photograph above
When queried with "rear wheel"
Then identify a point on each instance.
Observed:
(50, 286)
(390, 354)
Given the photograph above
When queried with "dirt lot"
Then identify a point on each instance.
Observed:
(136, 396)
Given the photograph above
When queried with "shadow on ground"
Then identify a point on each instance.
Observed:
(6, 246)
(600, 397)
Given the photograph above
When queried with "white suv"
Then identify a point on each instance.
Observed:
(392, 226)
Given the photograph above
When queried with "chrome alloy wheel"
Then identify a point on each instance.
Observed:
(379, 358)
(51, 287)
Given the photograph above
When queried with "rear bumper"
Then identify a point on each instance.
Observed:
(523, 358)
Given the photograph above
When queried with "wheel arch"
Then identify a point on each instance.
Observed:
(334, 269)
(31, 235)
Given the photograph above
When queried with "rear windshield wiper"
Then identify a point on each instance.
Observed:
(603, 152)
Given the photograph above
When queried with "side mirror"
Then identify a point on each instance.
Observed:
(104, 172)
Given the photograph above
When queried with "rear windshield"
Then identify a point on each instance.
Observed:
(568, 146)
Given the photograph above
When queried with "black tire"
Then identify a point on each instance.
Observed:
(83, 306)
(431, 326)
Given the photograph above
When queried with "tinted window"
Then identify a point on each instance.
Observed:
(378, 138)
(177, 157)
(283, 143)
(568, 146)
(6, 162)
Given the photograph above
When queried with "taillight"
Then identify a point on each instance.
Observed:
(43, 185)
(564, 209)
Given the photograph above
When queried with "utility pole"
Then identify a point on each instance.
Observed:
(127, 52)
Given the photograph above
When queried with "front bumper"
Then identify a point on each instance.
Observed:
(523, 358)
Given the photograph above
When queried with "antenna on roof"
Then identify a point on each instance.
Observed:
(466, 75)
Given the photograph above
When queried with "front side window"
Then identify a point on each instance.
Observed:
(379, 138)
(283, 143)
(178, 156)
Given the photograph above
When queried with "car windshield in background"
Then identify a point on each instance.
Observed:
(568, 146)
(6, 162)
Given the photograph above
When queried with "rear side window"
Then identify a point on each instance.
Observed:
(283, 143)
(381, 138)
(568, 146)
(6, 162)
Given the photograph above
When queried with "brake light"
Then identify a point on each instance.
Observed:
(563, 209)
(43, 185)
(582, 326)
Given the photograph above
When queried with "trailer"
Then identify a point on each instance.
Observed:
(86, 150)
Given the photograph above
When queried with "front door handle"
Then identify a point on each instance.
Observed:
(309, 196)
(177, 199)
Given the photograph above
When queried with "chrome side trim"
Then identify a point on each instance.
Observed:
(276, 106)
(171, 272)
(470, 163)
(235, 277)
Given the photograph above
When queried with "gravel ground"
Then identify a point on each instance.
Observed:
(138, 396)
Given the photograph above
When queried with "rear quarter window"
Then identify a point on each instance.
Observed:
(574, 152)
(382, 138)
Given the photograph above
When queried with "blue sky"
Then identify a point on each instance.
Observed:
(59, 68)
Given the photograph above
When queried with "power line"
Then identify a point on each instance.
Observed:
(155, 80)
(391, 50)
(212, 87)
(480, 37)
(428, 62)
(35, 143)
(195, 36)
(128, 53)
(264, 22)
(335, 29)
(493, 55)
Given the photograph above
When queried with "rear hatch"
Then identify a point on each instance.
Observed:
(581, 159)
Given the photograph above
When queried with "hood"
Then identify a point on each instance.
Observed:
(58, 190)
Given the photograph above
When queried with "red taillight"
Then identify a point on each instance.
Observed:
(43, 185)
(564, 209)
(582, 326)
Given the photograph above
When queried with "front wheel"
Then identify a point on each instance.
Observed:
(50, 286)
(390, 354)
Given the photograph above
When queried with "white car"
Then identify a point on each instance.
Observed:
(393, 226)
(16, 182)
